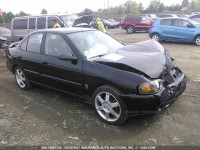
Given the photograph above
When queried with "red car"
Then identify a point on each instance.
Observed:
(131, 23)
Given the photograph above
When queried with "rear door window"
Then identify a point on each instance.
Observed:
(128, 19)
(166, 22)
(41, 23)
(20, 24)
(32, 23)
(34, 43)
(137, 19)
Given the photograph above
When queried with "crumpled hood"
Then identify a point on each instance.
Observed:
(146, 57)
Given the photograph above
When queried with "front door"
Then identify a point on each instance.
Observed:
(60, 74)
(182, 32)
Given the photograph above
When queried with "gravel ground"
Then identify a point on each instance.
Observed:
(42, 116)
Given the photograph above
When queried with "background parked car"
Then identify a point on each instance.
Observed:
(176, 29)
(195, 18)
(168, 15)
(21, 26)
(152, 16)
(107, 24)
(195, 13)
(117, 24)
(85, 21)
(5, 35)
(132, 23)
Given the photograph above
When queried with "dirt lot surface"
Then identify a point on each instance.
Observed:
(42, 116)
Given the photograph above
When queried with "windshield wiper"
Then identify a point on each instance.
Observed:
(97, 56)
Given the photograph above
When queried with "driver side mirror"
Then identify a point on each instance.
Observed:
(67, 57)
(190, 26)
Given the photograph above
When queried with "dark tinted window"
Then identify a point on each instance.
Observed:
(51, 22)
(24, 45)
(32, 23)
(55, 45)
(137, 19)
(167, 22)
(128, 19)
(180, 23)
(41, 23)
(34, 43)
(20, 24)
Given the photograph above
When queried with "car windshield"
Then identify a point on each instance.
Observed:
(69, 19)
(94, 43)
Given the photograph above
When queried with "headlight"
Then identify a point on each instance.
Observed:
(151, 87)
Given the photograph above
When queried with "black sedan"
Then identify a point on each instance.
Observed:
(118, 80)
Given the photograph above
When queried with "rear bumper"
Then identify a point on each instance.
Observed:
(150, 104)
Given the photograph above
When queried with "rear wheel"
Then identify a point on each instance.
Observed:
(197, 40)
(130, 29)
(21, 79)
(156, 37)
(108, 105)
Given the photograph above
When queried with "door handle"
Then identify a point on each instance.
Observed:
(45, 63)
(20, 57)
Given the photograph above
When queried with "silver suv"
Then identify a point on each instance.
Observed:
(21, 26)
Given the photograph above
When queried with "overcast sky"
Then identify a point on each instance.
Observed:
(70, 6)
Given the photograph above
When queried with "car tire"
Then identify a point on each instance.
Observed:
(109, 106)
(156, 37)
(197, 40)
(130, 29)
(21, 79)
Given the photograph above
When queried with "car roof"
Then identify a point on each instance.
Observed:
(67, 30)
(43, 15)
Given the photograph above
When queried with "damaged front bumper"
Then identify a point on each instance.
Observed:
(150, 104)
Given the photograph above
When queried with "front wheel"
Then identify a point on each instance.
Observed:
(197, 41)
(21, 79)
(156, 37)
(108, 105)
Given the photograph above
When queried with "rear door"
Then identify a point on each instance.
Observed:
(29, 57)
(137, 23)
(146, 23)
(166, 29)
(60, 74)
(181, 31)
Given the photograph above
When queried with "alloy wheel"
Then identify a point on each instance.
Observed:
(107, 106)
(197, 41)
(156, 37)
(20, 77)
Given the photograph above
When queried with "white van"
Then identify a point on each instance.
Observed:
(21, 26)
